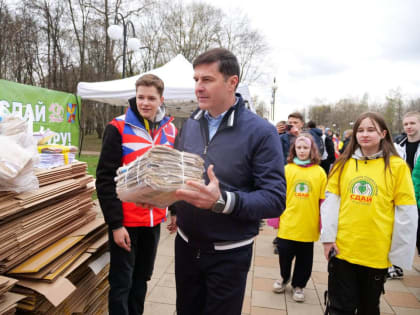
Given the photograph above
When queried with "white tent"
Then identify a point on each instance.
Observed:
(177, 75)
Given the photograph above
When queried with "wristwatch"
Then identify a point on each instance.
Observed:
(219, 205)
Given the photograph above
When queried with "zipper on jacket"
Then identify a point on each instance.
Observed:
(205, 133)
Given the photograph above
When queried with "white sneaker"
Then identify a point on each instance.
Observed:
(298, 295)
(279, 286)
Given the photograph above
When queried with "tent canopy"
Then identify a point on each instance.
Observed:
(177, 75)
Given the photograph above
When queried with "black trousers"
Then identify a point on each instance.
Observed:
(353, 287)
(210, 282)
(304, 253)
(130, 271)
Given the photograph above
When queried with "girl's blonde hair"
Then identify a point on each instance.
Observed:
(313, 154)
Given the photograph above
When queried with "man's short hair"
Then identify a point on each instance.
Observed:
(412, 114)
(151, 80)
(228, 64)
(296, 115)
(311, 124)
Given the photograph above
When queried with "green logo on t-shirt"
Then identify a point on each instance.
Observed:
(302, 189)
(362, 189)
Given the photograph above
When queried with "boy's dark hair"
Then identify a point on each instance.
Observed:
(228, 64)
(151, 80)
(311, 124)
(296, 115)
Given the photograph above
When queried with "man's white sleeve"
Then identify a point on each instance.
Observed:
(329, 217)
(404, 236)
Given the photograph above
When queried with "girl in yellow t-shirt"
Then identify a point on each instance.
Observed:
(299, 223)
(369, 218)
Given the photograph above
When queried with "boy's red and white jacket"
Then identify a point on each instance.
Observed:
(126, 138)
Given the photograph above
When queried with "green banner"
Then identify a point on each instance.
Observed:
(57, 111)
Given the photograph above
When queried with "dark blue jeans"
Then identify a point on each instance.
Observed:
(210, 282)
(130, 271)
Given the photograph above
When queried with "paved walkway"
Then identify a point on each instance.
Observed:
(402, 296)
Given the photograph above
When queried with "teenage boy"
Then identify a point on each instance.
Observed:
(134, 230)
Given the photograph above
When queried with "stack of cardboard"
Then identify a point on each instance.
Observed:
(8, 299)
(69, 276)
(51, 235)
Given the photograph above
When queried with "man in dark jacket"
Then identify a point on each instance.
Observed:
(294, 126)
(244, 183)
(316, 133)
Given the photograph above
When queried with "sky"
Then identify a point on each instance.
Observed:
(327, 50)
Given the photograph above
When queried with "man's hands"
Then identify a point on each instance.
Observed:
(122, 238)
(327, 249)
(205, 196)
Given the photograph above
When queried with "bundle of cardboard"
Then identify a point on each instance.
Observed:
(154, 177)
(8, 299)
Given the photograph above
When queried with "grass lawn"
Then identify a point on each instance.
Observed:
(92, 143)
(92, 161)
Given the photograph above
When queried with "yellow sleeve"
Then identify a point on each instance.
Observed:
(323, 180)
(332, 184)
(404, 189)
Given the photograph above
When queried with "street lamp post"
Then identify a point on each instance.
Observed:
(273, 101)
(115, 32)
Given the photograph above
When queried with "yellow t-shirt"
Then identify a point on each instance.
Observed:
(366, 215)
(305, 187)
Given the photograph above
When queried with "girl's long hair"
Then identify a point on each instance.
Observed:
(386, 144)
(313, 154)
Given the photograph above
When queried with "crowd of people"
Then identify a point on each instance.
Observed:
(358, 197)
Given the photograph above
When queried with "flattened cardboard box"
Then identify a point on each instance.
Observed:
(57, 291)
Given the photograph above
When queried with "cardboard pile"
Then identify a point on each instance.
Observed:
(154, 177)
(70, 276)
(8, 299)
(49, 236)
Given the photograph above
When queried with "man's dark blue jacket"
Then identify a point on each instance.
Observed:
(248, 162)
